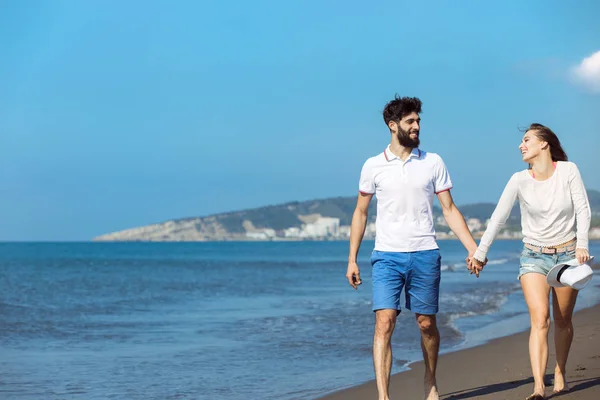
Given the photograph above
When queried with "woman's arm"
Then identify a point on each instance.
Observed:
(583, 214)
(498, 219)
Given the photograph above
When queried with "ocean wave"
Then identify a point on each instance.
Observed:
(7, 303)
(498, 261)
(476, 300)
(452, 267)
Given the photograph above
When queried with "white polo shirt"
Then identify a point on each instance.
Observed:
(404, 191)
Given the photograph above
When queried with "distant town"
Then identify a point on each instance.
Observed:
(328, 228)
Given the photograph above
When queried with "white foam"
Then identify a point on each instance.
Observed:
(498, 261)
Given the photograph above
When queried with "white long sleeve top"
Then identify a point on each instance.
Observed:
(553, 211)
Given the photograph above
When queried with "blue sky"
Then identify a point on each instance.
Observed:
(118, 114)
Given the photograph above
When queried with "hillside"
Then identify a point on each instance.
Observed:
(313, 219)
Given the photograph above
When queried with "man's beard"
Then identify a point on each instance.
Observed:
(405, 139)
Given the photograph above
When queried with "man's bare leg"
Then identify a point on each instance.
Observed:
(385, 322)
(430, 344)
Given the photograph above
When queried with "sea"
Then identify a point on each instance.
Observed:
(234, 320)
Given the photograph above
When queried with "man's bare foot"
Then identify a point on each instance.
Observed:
(560, 385)
(431, 392)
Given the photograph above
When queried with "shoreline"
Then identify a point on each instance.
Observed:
(233, 240)
(499, 368)
(282, 240)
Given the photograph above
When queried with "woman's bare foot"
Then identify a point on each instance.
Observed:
(535, 396)
(560, 385)
(538, 393)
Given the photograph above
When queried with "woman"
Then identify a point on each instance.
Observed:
(555, 219)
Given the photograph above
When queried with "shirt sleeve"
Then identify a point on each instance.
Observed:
(498, 218)
(583, 213)
(442, 181)
(366, 184)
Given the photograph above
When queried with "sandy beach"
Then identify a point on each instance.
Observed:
(500, 369)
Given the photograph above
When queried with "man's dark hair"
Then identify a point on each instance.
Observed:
(400, 107)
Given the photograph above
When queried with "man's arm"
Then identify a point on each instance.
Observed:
(357, 231)
(456, 222)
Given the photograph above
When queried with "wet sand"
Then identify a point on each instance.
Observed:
(500, 369)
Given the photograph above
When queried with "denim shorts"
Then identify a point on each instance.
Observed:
(418, 273)
(533, 261)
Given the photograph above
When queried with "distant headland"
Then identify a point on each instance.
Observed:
(322, 219)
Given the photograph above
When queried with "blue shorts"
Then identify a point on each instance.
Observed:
(417, 272)
(540, 263)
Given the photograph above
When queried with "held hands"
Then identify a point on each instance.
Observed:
(353, 275)
(582, 255)
(475, 266)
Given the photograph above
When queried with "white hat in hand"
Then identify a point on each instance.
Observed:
(570, 273)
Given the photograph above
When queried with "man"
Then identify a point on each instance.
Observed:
(405, 178)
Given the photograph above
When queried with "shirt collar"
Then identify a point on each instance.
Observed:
(389, 156)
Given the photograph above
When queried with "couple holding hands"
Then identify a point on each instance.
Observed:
(555, 220)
